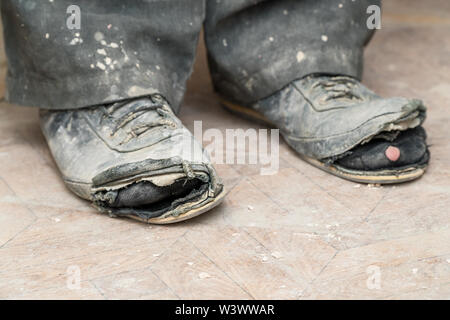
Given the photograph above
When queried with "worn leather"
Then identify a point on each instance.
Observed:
(102, 150)
(325, 116)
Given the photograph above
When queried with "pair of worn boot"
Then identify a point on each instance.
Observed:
(135, 158)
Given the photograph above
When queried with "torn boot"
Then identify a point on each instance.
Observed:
(133, 158)
(328, 118)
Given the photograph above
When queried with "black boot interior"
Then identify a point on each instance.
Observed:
(371, 156)
(146, 194)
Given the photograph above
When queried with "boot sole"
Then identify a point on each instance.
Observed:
(187, 215)
(370, 177)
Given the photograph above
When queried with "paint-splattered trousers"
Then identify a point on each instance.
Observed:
(62, 56)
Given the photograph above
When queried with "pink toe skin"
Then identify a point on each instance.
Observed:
(392, 153)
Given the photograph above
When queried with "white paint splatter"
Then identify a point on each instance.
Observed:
(126, 58)
(75, 41)
(300, 56)
(98, 36)
(101, 66)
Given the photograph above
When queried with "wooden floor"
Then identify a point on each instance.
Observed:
(299, 234)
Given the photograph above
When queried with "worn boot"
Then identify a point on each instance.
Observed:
(133, 158)
(340, 126)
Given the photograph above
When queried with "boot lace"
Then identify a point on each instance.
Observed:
(338, 87)
(135, 111)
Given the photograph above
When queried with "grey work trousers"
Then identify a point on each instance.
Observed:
(125, 49)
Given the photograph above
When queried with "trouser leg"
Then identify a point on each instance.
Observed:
(123, 49)
(256, 47)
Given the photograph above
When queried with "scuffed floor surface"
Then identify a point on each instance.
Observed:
(299, 234)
